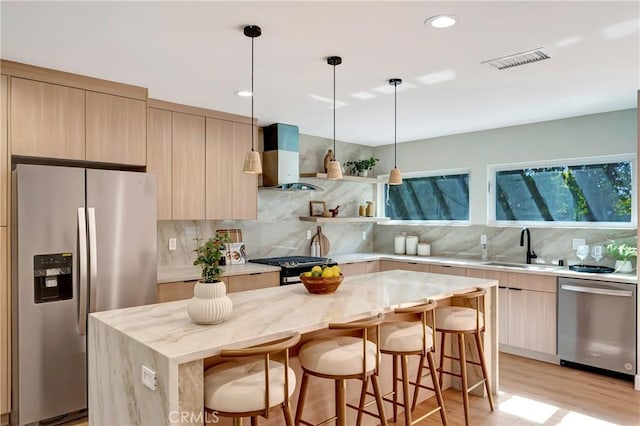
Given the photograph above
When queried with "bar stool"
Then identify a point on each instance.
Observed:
(339, 359)
(401, 339)
(251, 387)
(459, 321)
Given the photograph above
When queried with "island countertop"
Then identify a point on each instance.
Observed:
(265, 315)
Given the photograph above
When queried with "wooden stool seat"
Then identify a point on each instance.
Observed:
(401, 339)
(339, 359)
(459, 321)
(251, 383)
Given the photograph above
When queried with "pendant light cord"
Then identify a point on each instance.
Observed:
(252, 96)
(395, 125)
(334, 114)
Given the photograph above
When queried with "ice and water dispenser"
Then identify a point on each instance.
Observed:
(52, 279)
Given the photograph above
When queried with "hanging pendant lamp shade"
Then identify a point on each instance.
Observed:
(395, 177)
(334, 169)
(252, 163)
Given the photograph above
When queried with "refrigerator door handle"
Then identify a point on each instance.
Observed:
(93, 259)
(82, 263)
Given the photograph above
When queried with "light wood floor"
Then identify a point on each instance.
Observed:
(538, 393)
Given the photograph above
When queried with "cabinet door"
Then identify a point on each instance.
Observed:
(178, 290)
(187, 166)
(371, 266)
(116, 129)
(532, 320)
(4, 170)
(236, 283)
(5, 324)
(220, 169)
(449, 270)
(503, 315)
(387, 265)
(545, 283)
(159, 158)
(244, 186)
(353, 268)
(47, 120)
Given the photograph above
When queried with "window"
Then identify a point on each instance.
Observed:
(444, 197)
(577, 192)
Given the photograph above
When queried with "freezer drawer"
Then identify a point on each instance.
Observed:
(597, 324)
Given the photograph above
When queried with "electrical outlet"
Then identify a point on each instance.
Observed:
(364, 235)
(483, 239)
(308, 234)
(172, 243)
(149, 378)
(577, 242)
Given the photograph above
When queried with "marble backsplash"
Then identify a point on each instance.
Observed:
(549, 244)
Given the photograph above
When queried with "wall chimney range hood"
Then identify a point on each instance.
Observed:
(281, 159)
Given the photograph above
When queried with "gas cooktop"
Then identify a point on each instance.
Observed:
(292, 261)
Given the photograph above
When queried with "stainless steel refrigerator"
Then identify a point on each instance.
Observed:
(85, 242)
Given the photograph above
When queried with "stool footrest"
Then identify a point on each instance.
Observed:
(458, 359)
(369, 413)
(449, 373)
(424, 416)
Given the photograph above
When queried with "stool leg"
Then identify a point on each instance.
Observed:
(395, 388)
(484, 369)
(302, 396)
(379, 403)
(437, 389)
(463, 377)
(341, 402)
(288, 418)
(442, 335)
(237, 421)
(419, 381)
(363, 395)
(254, 421)
(405, 391)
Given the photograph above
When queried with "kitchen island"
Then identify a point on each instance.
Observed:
(162, 338)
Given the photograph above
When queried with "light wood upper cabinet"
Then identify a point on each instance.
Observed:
(245, 186)
(187, 166)
(4, 169)
(116, 129)
(159, 158)
(219, 169)
(47, 120)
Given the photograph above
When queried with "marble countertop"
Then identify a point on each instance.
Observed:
(190, 273)
(538, 269)
(257, 315)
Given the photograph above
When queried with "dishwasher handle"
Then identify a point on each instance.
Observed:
(597, 290)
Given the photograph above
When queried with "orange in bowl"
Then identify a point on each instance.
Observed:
(322, 285)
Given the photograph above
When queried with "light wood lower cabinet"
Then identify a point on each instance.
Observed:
(116, 129)
(4, 165)
(531, 320)
(180, 290)
(177, 290)
(388, 265)
(236, 283)
(448, 270)
(47, 120)
(358, 268)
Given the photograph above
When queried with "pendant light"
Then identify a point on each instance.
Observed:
(252, 163)
(334, 169)
(395, 177)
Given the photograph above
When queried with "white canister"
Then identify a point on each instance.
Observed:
(399, 244)
(424, 249)
(412, 245)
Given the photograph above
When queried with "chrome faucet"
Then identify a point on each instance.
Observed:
(530, 253)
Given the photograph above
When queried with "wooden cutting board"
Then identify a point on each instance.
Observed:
(323, 241)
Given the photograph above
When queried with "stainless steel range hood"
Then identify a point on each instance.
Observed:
(281, 159)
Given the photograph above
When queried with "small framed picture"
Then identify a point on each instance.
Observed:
(316, 208)
(236, 254)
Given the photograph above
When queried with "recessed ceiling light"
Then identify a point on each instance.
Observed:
(441, 21)
(243, 93)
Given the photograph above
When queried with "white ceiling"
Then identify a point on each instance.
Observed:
(195, 53)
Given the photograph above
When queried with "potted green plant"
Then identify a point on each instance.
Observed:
(623, 253)
(210, 303)
(362, 167)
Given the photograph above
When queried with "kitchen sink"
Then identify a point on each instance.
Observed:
(530, 267)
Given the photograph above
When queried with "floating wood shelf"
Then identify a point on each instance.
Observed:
(346, 178)
(342, 219)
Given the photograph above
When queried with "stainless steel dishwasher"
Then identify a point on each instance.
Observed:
(597, 324)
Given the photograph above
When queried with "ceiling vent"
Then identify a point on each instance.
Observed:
(518, 59)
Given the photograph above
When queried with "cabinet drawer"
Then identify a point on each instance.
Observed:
(531, 282)
(177, 290)
(236, 283)
(449, 270)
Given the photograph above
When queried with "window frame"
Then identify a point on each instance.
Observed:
(380, 198)
(493, 169)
